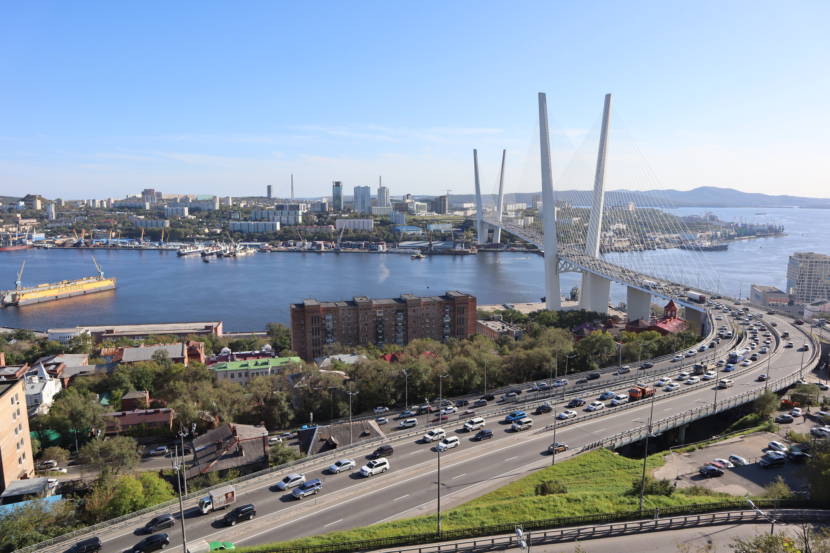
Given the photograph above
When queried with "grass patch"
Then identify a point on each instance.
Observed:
(598, 482)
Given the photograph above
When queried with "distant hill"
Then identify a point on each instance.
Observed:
(704, 196)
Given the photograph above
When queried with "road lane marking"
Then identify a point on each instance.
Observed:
(401, 497)
(459, 476)
(330, 523)
(510, 458)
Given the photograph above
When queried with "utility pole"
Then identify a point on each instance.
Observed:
(178, 468)
(645, 452)
(440, 410)
(350, 394)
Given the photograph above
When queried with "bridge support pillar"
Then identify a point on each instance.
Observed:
(595, 293)
(681, 433)
(638, 304)
(696, 320)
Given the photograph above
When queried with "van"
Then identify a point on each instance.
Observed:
(522, 424)
(725, 383)
(474, 424)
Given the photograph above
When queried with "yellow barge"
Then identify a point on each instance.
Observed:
(56, 291)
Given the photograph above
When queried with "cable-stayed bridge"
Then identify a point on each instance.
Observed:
(577, 236)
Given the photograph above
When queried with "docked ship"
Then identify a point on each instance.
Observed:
(55, 291)
(189, 250)
(12, 242)
(706, 246)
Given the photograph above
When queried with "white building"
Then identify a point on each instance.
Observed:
(383, 197)
(150, 223)
(251, 227)
(41, 390)
(808, 277)
(354, 224)
(362, 199)
(398, 217)
(381, 211)
(285, 214)
(176, 211)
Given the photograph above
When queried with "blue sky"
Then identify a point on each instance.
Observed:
(100, 99)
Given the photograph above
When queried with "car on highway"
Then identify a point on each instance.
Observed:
(693, 380)
(670, 387)
(89, 545)
(746, 363)
(682, 376)
(160, 522)
(510, 395)
(380, 410)
(406, 414)
(159, 451)
(575, 402)
(595, 406)
(480, 403)
(243, 512)
(514, 416)
(483, 434)
(408, 423)
(677, 358)
(709, 375)
(761, 377)
(663, 381)
(710, 471)
(559, 382)
(462, 402)
(557, 447)
(619, 399)
(624, 369)
(375, 466)
(607, 395)
(151, 543)
(568, 414)
(646, 365)
(788, 345)
(543, 408)
(720, 363)
(382, 420)
(340, 465)
(777, 446)
(737, 460)
(805, 347)
(434, 435)
(729, 368)
(312, 487)
(784, 418)
(448, 410)
(522, 424)
(385, 450)
(593, 376)
(290, 481)
(796, 412)
(450, 442)
(723, 463)
(476, 423)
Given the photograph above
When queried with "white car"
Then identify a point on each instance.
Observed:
(474, 424)
(291, 481)
(693, 380)
(746, 363)
(663, 382)
(670, 387)
(709, 375)
(408, 423)
(619, 399)
(377, 466)
(777, 446)
(725, 462)
(677, 358)
(434, 435)
(682, 376)
(380, 410)
(595, 406)
(820, 431)
(564, 415)
(796, 412)
(560, 382)
(448, 410)
(738, 460)
(339, 466)
(448, 443)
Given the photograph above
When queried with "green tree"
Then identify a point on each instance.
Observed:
(35, 522)
(596, 347)
(56, 453)
(76, 411)
(806, 394)
(111, 455)
(818, 471)
(156, 489)
(765, 404)
(127, 496)
(279, 336)
(270, 402)
(279, 454)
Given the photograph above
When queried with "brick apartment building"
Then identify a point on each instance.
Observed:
(363, 321)
(15, 446)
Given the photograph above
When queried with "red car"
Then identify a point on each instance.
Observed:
(441, 418)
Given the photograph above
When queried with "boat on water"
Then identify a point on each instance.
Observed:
(706, 246)
(418, 255)
(211, 250)
(41, 293)
(10, 242)
(189, 250)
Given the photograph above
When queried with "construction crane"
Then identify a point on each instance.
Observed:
(98, 267)
(18, 284)
(340, 238)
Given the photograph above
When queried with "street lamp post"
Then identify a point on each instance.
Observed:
(438, 449)
(767, 516)
(181, 435)
(645, 451)
(406, 388)
(350, 394)
(485, 377)
(555, 417)
(178, 468)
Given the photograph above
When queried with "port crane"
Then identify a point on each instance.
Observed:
(98, 267)
(18, 284)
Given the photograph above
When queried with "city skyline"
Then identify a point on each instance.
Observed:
(112, 99)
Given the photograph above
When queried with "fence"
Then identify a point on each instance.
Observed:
(607, 525)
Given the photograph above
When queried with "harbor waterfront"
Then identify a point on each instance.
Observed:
(249, 292)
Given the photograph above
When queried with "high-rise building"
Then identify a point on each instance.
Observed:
(442, 205)
(383, 197)
(268, 191)
(15, 445)
(150, 195)
(362, 199)
(363, 321)
(808, 277)
(337, 196)
(51, 212)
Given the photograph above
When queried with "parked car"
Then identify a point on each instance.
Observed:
(777, 446)
(290, 481)
(47, 464)
(385, 450)
(772, 459)
(725, 462)
(159, 523)
(312, 487)
(341, 465)
(710, 471)
(796, 412)
(151, 543)
(159, 451)
(243, 512)
(483, 434)
(784, 418)
(375, 466)
(737, 460)
(89, 545)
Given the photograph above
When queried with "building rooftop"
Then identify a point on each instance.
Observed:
(141, 416)
(765, 288)
(364, 300)
(29, 486)
(145, 353)
(255, 364)
(142, 329)
(345, 358)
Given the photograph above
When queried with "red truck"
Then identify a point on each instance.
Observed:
(640, 392)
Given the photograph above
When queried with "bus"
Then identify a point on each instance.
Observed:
(738, 355)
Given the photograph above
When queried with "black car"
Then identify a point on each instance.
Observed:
(593, 376)
(382, 451)
(646, 365)
(710, 471)
(784, 418)
(243, 512)
(582, 381)
(151, 543)
(90, 545)
(480, 403)
(484, 434)
(159, 523)
(488, 397)
(462, 402)
(798, 456)
(544, 408)
(576, 402)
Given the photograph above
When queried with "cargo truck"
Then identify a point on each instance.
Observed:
(640, 392)
(217, 499)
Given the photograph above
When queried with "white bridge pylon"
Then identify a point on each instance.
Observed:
(597, 273)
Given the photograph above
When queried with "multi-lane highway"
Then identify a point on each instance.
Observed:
(348, 500)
